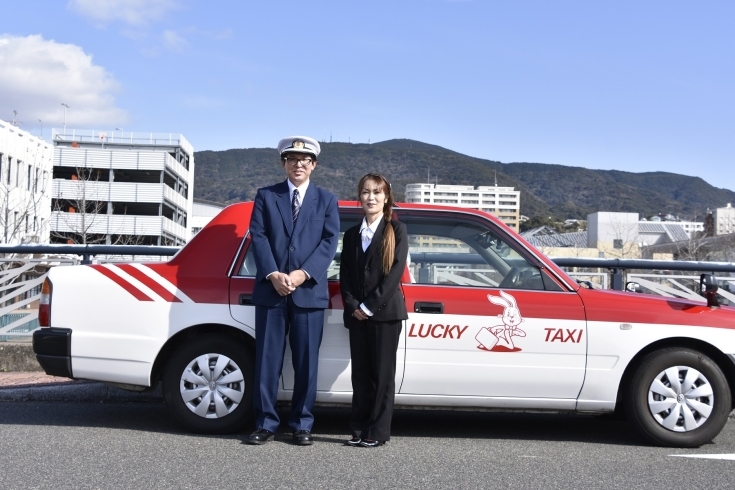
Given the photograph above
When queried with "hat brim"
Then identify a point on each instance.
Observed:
(299, 150)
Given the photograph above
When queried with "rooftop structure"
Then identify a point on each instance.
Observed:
(117, 187)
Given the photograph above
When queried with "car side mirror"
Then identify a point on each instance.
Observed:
(708, 288)
(633, 287)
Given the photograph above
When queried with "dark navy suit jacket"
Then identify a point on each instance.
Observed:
(280, 245)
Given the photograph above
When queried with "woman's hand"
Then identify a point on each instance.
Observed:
(359, 314)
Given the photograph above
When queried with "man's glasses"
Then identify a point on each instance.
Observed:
(293, 161)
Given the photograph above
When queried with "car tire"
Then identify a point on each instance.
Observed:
(687, 412)
(218, 398)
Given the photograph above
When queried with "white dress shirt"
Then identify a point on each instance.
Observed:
(367, 232)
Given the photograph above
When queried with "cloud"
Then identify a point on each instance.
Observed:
(37, 75)
(173, 41)
(133, 12)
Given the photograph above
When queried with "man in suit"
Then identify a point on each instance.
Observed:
(294, 229)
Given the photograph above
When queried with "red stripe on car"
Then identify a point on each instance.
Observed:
(150, 282)
(137, 293)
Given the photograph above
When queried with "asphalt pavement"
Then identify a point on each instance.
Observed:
(137, 445)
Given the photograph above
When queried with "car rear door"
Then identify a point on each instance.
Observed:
(334, 354)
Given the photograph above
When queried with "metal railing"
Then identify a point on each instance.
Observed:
(24, 268)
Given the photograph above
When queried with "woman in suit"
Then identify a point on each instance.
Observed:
(373, 260)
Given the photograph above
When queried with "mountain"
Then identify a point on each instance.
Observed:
(546, 190)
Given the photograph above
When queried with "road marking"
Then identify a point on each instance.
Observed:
(706, 456)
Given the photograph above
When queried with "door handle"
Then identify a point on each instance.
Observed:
(427, 307)
(246, 299)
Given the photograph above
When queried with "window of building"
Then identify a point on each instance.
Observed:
(470, 194)
(464, 201)
(449, 194)
(508, 195)
(35, 224)
(17, 174)
(618, 243)
(427, 193)
(488, 195)
(28, 184)
(35, 182)
(27, 223)
(10, 167)
(507, 203)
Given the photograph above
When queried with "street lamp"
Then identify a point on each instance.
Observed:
(121, 133)
(65, 108)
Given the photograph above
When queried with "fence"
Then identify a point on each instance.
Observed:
(22, 274)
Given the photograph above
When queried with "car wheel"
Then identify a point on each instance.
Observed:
(679, 397)
(208, 384)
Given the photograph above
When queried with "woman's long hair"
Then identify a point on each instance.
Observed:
(389, 236)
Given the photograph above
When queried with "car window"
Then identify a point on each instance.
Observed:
(448, 251)
(348, 218)
(445, 251)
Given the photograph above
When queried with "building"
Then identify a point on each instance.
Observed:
(611, 235)
(121, 188)
(25, 177)
(724, 220)
(503, 202)
(202, 213)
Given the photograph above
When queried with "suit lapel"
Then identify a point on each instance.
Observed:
(283, 201)
(377, 241)
(308, 205)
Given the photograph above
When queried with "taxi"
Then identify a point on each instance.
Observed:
(493, 324)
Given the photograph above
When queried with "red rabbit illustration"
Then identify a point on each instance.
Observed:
(499, 338)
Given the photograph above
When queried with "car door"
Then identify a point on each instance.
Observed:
(485, 317)
(334, 354)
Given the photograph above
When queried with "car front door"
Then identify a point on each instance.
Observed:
(485, 318)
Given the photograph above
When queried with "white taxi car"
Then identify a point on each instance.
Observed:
(492, 324)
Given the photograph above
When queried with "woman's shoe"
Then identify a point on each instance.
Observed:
(371, 443)
(354, 442)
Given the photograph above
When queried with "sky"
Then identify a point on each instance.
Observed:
(626, 85)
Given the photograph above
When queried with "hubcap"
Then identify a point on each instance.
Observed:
(212, 385)
(680, 398)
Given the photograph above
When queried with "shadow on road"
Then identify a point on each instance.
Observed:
(332, 423)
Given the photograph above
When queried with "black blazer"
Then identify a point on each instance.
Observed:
(381, 293)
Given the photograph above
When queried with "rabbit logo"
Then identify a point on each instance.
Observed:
(499, 338)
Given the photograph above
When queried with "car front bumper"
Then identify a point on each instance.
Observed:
(53, 350)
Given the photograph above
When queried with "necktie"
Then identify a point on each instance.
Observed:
(295, 206)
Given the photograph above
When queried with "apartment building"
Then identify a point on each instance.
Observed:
(724, 220)
(121, 188)
(25, 176)
(503, 202)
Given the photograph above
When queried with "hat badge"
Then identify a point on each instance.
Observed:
(299, 145)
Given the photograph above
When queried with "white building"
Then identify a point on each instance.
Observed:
(503, 202)
(121, 188)
(202, 213)
(25, 176)
(724, 220)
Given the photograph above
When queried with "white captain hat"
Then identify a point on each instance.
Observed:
(299, 144)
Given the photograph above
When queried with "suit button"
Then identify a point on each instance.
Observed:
(291, 248)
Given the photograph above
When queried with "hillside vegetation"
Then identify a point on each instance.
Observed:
(546, 190)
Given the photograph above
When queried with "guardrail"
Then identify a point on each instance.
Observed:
(22, 274)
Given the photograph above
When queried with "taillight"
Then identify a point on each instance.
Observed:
(44, 307)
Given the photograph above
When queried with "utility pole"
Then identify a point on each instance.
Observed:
(41, 128)
(65, 108)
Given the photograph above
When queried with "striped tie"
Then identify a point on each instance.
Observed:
(295, 206)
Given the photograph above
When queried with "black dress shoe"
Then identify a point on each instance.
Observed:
(354, 442)
(260, 437)
(371, 443)
(303, 438)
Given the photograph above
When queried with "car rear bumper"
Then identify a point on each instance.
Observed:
(53, 350)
